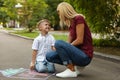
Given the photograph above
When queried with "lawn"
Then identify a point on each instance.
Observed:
(36, 33)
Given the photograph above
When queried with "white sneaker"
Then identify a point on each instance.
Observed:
(67, 73)
(79, 71)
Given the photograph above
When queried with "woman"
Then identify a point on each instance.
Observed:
(78, 51)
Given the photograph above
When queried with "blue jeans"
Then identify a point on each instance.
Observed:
(44, 66)
(66, 53)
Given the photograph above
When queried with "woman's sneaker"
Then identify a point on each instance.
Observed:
(79, 71)
(67, 73)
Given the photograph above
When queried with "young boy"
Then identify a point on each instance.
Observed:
(41, 45)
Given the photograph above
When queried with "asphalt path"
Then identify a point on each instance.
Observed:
(15, 52)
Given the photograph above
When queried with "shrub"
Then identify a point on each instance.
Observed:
(106, 43)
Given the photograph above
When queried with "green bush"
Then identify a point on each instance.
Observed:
(106, 43)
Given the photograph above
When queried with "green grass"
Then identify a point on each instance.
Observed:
(35, 34)
(60, 37)
(27, 34)
(9, 29)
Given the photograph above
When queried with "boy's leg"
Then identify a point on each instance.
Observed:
(50, 67)
(40, 67)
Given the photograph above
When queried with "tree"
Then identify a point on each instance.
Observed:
(9, 7)
(52, 13)
(102, 15)
(29, 14)
(8, 11)
(33, 12)
(3, 13)
(1, 3)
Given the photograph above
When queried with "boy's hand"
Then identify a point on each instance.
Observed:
(32, 65)
(53, 48)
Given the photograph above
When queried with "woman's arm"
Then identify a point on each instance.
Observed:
(80, 35)
(69, 38)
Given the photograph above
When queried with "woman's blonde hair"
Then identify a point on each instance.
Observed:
(66, 13)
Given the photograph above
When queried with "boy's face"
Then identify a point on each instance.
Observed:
(44, 27)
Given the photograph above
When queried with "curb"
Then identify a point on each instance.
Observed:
(5, 31)
(109, 57)
(20, 36)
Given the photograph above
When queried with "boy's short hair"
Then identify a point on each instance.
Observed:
(41, 21)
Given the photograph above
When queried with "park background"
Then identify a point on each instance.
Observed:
(103, 16)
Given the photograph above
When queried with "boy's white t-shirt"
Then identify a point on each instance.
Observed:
(43, 45)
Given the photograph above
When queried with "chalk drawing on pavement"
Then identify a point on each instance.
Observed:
(22, 73)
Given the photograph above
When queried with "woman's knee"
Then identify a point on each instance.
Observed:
(58, 43)
(49, 56)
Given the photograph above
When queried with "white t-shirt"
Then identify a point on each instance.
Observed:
(43, 45)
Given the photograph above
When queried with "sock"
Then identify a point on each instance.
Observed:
(71, 67)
